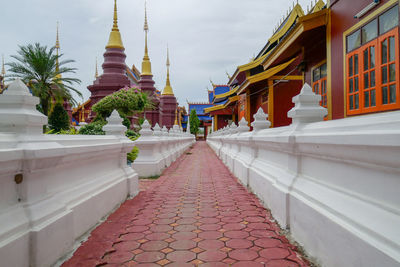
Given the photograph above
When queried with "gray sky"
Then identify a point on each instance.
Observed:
(206, 37)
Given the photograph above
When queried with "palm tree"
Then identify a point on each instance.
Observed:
(41, 69)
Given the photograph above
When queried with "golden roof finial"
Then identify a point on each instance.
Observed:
(115, 40)
(3, 69)
(227, 74)
(58, 76)
(176, 117)
(96, 73)
(212, 82)
(168, 89)
(146, 64)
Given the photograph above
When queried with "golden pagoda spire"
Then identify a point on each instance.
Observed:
(146, 64)
(3, 75)
(96, 74)
(3, 69)
(115, 40)
(82, 117)
(58, 76)
(168, 89)
(176, 117)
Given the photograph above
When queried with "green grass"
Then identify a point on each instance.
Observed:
(154, 177)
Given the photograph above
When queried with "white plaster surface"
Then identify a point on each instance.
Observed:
(69, 182)
(158, 149)
(334, 184)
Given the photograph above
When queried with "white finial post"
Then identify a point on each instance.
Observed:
(18, 112)
(260, 120)
(307, 108)
(243, 126)
(146, 129)
(114, 125)
(157, 130)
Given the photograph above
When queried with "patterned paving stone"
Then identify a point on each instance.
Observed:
(195, 214)
(154, 245)
(183, 244)
(157, 236)
(149, 257)
(212, 255)
(239, 243)
(243, 254)
(211, 244)
(181, 256)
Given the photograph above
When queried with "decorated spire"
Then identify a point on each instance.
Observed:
(3, 74)
(176, 117)
(58, 76)
(168, 89)
(146, 64)
(3, 69)
(96, 74)
(115, 40)
(82, 118)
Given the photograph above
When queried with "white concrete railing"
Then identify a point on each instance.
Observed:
(158, 148)
(54, 188)
(334, 184)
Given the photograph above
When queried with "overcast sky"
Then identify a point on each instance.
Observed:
(206, 37)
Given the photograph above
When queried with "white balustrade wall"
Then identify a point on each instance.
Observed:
(55, 188)
(158, 148)
(334, 184)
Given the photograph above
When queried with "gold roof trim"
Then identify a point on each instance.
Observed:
(296, 12)
(264, 75)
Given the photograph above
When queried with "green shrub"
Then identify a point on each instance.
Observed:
(94, 128)
(59, 119)
(131, 156)
(131, 134)
(126, 101)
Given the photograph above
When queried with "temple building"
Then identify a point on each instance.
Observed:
(348, 53)
(216, 97)
(117, 75)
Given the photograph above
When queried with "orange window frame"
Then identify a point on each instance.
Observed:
(353, 82)
(393, 33)
(351, 91)
(319, 87)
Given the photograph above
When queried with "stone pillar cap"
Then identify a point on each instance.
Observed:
(114, 125)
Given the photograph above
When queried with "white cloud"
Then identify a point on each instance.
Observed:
(206, 37)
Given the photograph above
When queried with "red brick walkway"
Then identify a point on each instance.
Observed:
(195, 214)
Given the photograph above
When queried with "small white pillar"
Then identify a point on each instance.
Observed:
(114, 125)
(18, 112)
(260, 121)
(243, 126)
(307, 108)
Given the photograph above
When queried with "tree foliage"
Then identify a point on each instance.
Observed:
(126, 101)
(59, 119)
(94, 128)
(37, 66)
(194, 122)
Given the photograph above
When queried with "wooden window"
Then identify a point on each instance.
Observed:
(369, 75)
(389, 68)
(372, 65)
(319, 84)
(353, 81)
(373, 75)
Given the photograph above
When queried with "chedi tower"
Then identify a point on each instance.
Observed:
(168, 101)
(114, 67)
(146, 82)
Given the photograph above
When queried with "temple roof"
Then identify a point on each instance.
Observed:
(280, 33)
